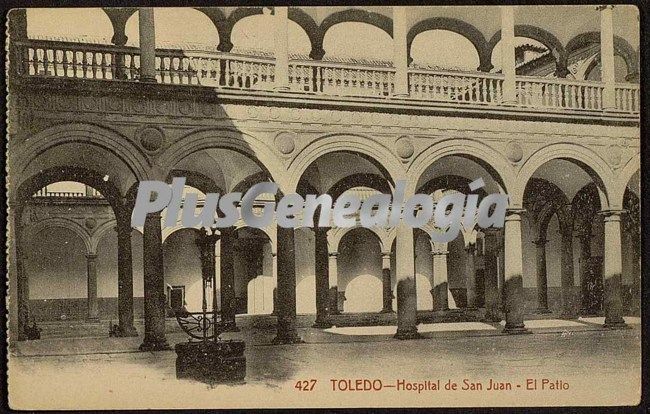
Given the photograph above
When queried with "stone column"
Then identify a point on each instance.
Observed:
(125, 279)
(566, 276)
(22, 281)
(440, 289)
(612, 270)
(585, 257)
(470, 273)
(274, 258)
(607, 56)
(281, 48)
(508, 54)
(322, 279)
(286, 329)
(400, 55)
(147, 45)
(227, 280)
(405, 274)
(542, 281)
(154, 286)
(387, 291)
(91, 274)
(333, 283)
(513, 289)
(492, 303)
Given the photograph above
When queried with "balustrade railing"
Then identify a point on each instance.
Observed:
(45, 58)
(483, 88)
(626, 97)
(559, 93)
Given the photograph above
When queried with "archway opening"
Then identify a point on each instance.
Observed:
(360, 271)
(444, 50)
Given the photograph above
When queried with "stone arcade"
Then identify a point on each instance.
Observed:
(555, 126)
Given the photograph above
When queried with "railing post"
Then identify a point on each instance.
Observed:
(508, 55)
(147, 45)
(607, 57)
(400, 59)
(281, 48)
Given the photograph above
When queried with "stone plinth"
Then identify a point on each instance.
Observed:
(220, 361)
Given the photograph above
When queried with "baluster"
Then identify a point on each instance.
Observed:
(42, 61)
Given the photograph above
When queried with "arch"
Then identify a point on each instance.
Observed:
(359, 16)
(373, 181)
(630, 168)
(196, 180)
(99, 233)
(457, 26)
(310, 27)
(339, 233)
(378, 154)
(490, 159)
(591, 162)
(221, 23)
(544, 37)
(98, 136)
(621, 47)
(34, 228)
(248, 145)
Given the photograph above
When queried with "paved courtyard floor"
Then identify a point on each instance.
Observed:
(560, 363)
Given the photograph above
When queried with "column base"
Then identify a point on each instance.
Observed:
(152, 345)
(123, 331)
(322, 323)
(287, 338)
(542, 311)
(387, 310)
(403, 334)
(516, 330)
(616, 323)
(92, 319)
(229, 327)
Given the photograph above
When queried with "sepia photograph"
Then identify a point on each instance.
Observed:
(334, 206)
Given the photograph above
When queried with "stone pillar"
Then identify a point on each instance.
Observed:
(154, 286)
(400, 56)
(513, 289)
(387, 291)
(227, 279)
(542, 281)
(566, 276)
(281, 48)
(440, 289)
(607, 56)
(585, 257)
(125, 279)
(405, 274)
(612, 270)
(274, 258)
(91, 274)
(333, 283)
(147, 45)
(492, 303)
(22, 281)
(286, 329)
(322, 279)
(508, 54)
(470, 273)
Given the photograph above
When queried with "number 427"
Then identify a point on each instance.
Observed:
(305, 385)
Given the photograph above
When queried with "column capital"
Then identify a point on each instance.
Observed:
(612, 214)
(333, 254)
(386, 254)
(514, 214)
(91, 256)
(604, 7)
(439, 252)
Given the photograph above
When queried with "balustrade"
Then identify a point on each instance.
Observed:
(44, 58)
